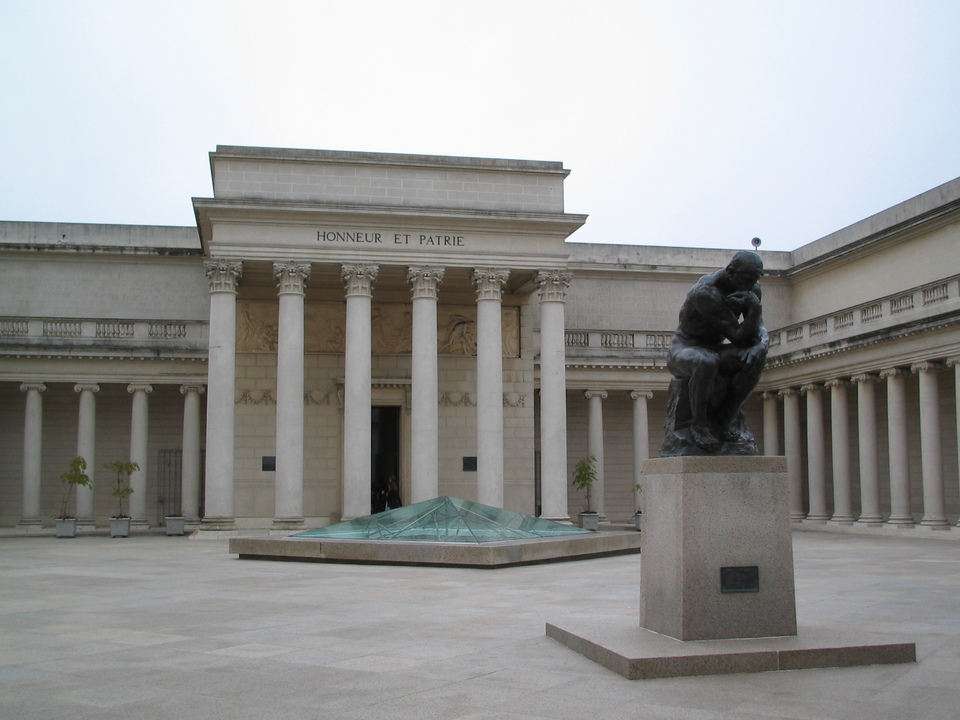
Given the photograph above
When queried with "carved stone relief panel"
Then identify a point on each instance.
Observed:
(325, 329)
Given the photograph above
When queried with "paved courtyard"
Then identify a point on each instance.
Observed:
(153, 627)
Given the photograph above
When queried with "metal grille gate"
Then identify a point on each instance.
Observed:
(169, 484)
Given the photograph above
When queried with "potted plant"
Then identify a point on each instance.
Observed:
(638, 516)
(120, 523)
(76, 475)
(584, 476)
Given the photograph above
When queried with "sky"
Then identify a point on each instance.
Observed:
(700, 123)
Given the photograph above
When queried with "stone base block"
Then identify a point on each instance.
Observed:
(397, 552)
(640, 654)
(717, 555)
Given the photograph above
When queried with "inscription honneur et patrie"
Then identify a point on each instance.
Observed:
(384, 239)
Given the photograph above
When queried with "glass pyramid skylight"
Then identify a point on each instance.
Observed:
(445, 519)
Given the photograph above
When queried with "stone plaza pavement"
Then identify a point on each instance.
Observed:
(154, 627)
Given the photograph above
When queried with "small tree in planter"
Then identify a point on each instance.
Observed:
(76, 475)
(584, 476)
(120, 523)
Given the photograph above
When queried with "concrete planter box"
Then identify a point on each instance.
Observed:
(175, 524)
(66, 527)
(589, 520)
(119, 527)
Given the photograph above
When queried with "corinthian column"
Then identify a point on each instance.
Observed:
(86, 448)
(489, 284)
(771, 425)
(32, 455)
(900, 507)
(595, 445)
(190, 459)
(816, 472)
(867, 436)
(425, 418)
(357, 392)
(793, 447)
(288, 486)
(221, 387)
(553, 286)
(931, 452)
(139, 434)
(840, 442)
(954, 362)
(641, 438)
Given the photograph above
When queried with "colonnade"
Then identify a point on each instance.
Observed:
(359, 280)
(840, 389)
(595, 443)
(30, 516)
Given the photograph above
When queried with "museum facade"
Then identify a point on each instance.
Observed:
(337, 323)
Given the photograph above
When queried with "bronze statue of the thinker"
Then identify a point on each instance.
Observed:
(716, 357)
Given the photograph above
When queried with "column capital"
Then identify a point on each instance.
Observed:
(810, 387)
(602, 394)
(953, 361)
(38, 386)
(359, 279)
(291, 277)
(641, 394)
(892, 372)
(553, 284)
(771, 394)
(223, 274)
(863, 378)
(836, 383)
(139, 387)
(489, 282)
(787, 392)
(424, 280)
(198, 388)
(926, 366)
(92, 387)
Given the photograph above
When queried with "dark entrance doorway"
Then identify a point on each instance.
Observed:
(385, 458)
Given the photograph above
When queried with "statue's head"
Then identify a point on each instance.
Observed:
(744, 270)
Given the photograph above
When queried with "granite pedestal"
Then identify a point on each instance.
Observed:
(717, 551)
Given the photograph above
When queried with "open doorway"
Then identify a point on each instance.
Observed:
(385, 458)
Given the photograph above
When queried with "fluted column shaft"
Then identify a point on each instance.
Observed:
(840, 451)
(86, 448)
(793, 448)
(771, 424)
(931, 450)
(641, 439)
(221, 388)
(867, 441)
(900, 506)
(489, 385)
(357, 414)
(288, 486)
(816, 472)
(595, 446)
(553, 395)
(954, 362)
(32, 454)
(425, 415)
(190, 457)
(139, 435)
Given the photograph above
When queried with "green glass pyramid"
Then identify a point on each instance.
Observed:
(445, 519)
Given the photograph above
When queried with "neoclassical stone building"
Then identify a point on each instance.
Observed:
(338, 319)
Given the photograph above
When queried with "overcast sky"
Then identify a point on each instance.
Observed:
(682, 122)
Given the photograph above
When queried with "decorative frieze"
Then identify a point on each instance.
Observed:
(553, 285)
(223, 275)
(456, 399)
